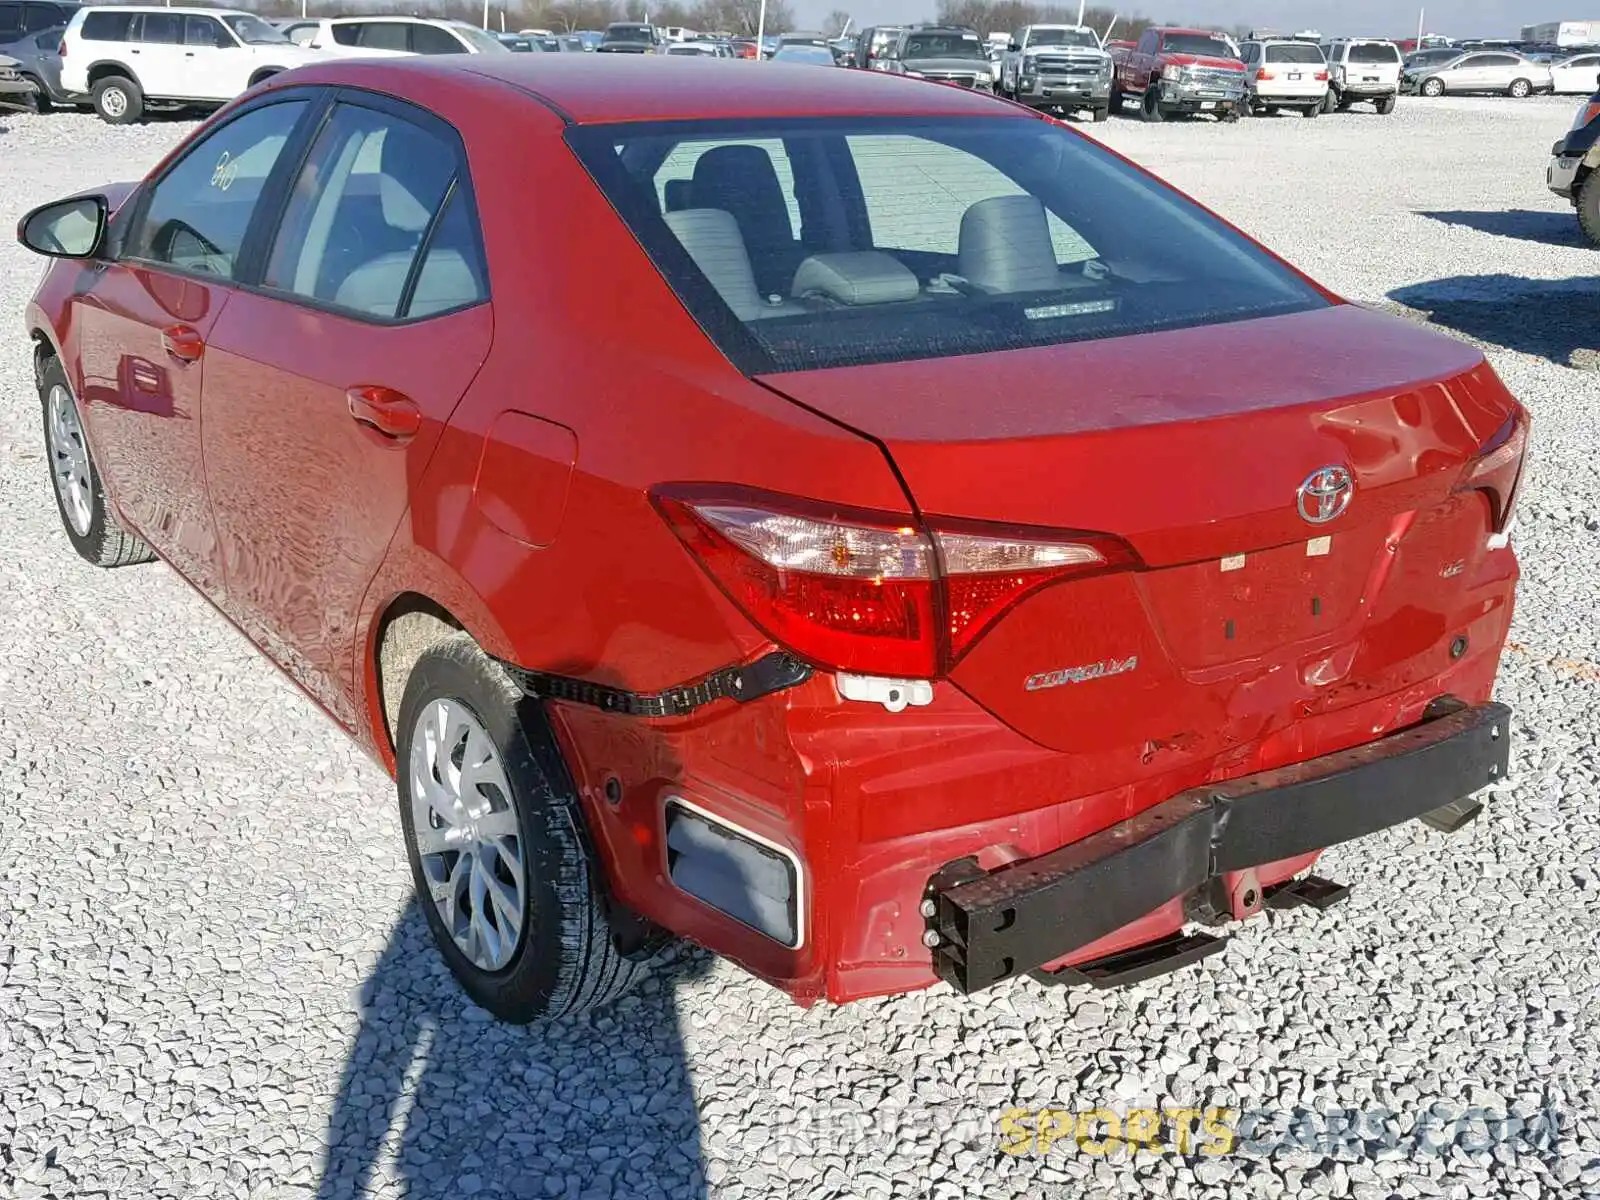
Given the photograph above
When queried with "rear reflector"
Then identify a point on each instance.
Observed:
(870, 593)
(735, 872)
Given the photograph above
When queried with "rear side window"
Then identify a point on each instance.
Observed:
(1306, 54)
(163, 28)
(42, 16)
(106, 25)
(921, 238)
(348, 35)
(1374, 52)
(430, 39)
(198, 212)
(377, 222)
(384, 35)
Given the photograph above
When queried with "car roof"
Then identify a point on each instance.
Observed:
(1210, 33)
(590, 89)
(176, 8)
(392, 18)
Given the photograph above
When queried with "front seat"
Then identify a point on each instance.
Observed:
(741, 180)
(1005, 246)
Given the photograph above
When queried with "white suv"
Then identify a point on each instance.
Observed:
(1363, 69)
(1284, 73)
(129, 59)
(387, 37)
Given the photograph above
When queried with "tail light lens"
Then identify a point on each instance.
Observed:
(871, 593)
(1589, 112)
(1497, 471)
(1322, 77)
(1263, 73)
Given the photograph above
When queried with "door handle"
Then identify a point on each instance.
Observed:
(183, 342)
(385, 410)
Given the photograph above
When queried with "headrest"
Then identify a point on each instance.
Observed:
(856, 277)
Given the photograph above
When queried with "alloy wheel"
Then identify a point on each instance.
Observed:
(69, 461)
(467, 836)
(114, 102)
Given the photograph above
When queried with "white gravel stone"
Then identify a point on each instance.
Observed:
(211, 984)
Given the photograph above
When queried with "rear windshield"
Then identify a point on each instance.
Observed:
(1195, 43)
(1374, 52)
(1295, 53)
(809, 243)
(942, 45)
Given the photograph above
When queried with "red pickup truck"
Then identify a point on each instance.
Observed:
(1172, 71)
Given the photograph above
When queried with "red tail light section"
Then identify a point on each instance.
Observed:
(1322, 77)
(1497, 471)
(867, 592)
(1263, 73)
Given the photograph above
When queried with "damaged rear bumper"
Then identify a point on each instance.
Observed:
(996, 925)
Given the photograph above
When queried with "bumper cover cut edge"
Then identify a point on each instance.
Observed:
(996, 925)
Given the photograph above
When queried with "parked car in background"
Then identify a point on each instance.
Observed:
(1363, 71)
(857, 693)
(18, 18)
(1432, 57)
(298, 30)
(872, 42)
(384, 37)
(516, 44)
(1481, 71)
(1574, 171)
(38, 60)
(1576, 75)
(1057, 67)
(16, 90)
(629, 37)
(1174, 72)
(1284, 73)
(691, 50)
(129, 59)
(745, 48)
(940, 54)
(806, 53)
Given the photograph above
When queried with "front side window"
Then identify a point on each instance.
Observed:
(164, 29)
(204, 31)
(38, 16)
(365, 209)
(198, 212)
(922, 238)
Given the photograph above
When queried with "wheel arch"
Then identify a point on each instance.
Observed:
(105, 68)
(264, 74)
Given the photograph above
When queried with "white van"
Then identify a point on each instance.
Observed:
(1363, 70)
(128, 58)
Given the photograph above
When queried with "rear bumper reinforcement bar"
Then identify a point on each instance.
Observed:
(999, 924)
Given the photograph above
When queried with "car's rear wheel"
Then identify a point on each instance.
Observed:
(1589, 206)
(1386, 106)
(1433, 88)
(118, 101)
(1330, 102)
(91, 528)
(501, 859)
(41, 96)
(1151, 109)
(1311, 111)
(1116, 98)
(1520, 89)
(1101, 114)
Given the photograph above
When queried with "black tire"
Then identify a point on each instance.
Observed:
(118, 100)
(1115, 103)
(1588, 205)
(566, 961)
(1386, 105)
(1151, 108)
(1101, 114)
(1520, 89)
(104, 542)
(1432, 87)
(1231, 116)
(41, 96)
(1311, 112)
(1330, 101)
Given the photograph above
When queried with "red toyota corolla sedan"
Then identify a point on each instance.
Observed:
(862, 526)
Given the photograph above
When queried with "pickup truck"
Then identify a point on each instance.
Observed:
(1059, 67)
(1173, 71)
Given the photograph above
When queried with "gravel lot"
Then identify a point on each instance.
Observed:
(212, 982)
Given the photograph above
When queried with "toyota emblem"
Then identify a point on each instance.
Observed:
(1325, 494)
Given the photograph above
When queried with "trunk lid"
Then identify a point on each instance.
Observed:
(1192, 446)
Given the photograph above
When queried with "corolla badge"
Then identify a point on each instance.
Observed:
(1325, 494)
(1066, 675)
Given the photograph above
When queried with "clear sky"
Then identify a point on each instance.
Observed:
(1453, 18)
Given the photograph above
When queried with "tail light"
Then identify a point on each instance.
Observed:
(1263, 73)
(872, 593)
(1321, 77)
(1497, 471)
(1590, 111)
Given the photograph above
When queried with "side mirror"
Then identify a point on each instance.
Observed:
(67, 228)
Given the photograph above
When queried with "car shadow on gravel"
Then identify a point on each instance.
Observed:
(438, 1099)
(1546, 228)
(1554, 319)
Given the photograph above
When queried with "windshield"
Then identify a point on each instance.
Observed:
(628, 33)
(923, 238)
(1294, 52)
(481, 40)
(1195, 43)
(253, 31)
(1063, 37)
(942, 45)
